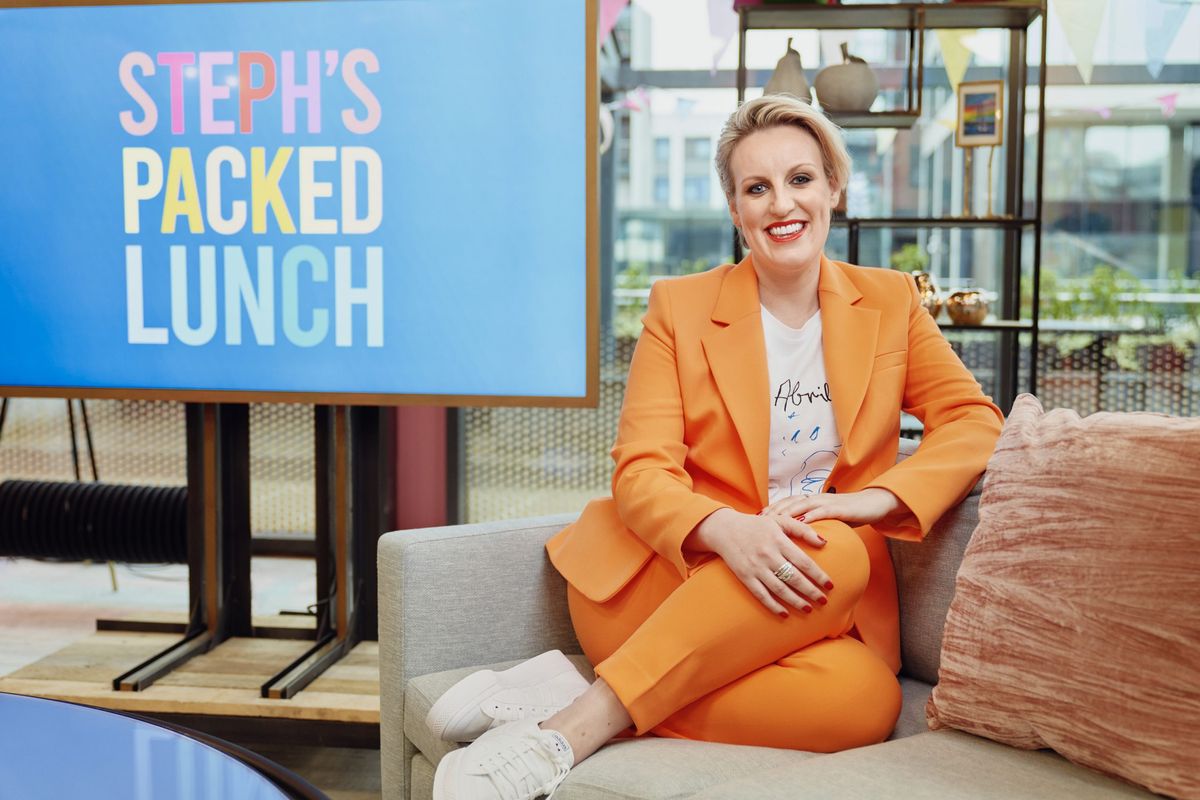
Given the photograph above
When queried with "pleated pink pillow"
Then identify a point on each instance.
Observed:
(1075, 623)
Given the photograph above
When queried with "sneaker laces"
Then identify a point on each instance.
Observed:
(514, 770)
(510, 712)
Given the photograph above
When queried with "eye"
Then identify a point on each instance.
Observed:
(756, 188)
(801, 179)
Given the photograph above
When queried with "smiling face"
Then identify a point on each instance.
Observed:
(782, 200)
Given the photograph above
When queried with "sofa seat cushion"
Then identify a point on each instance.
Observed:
(421, 693)
(650, 768)
(930, 766)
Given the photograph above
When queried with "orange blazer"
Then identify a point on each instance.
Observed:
(693, 432)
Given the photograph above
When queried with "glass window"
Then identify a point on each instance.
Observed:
(1120, 245)
(662, 190)
(662, 150)
(697, 149)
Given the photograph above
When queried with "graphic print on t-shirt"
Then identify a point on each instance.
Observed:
(809, 481)
(791, 394)
(804, 437)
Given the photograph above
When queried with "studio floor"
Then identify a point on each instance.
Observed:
(48, 613)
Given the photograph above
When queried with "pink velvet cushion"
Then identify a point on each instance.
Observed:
(1075, 623)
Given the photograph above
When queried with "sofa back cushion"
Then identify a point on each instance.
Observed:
(925, 574)
(1074, 623)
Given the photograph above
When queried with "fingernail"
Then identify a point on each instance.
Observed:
(808, 609)
(822, 600)
(823, 539)
(828, 585)
(800, 518)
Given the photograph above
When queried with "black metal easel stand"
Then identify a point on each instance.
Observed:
(354, 508)
(354, 495)
(218, 530)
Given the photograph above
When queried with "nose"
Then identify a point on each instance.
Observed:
(782, 202)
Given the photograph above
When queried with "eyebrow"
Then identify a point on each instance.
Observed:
(799, 166)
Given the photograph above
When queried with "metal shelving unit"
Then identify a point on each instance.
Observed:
(1014, 220)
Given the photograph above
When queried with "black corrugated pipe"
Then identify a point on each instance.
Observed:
(100, 521)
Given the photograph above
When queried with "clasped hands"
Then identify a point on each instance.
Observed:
(756, 547)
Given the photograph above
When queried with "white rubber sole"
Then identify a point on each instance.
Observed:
(461, 703)
(456, 709)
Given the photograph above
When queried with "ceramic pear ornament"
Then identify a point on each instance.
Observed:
(928, 291)
(967, 307)
(849, 86)
(788, 77)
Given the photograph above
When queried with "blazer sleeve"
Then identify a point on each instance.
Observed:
(961, 428)
(652, 489)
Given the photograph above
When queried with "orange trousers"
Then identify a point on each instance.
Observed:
(702, 659)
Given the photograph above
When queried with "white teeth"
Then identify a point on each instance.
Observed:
(786, 230)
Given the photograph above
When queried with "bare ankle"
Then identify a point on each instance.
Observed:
(591, 721)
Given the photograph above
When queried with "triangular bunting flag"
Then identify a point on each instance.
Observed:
(1163, 21)
(609, 11)
(955, 54)
(722, 25)
(1080, 21)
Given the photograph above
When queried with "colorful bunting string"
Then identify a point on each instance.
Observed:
(1167, 104)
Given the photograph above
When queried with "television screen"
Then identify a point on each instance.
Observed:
(347, 201)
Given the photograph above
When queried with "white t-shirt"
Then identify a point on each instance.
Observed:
(804, 441)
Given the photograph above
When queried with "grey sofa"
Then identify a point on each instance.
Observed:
(457, 598)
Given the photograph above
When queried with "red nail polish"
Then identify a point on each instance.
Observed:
(783, 615)
(828, 585)
(800, 518)
(823, 539)
(822, 600)
(808, 609)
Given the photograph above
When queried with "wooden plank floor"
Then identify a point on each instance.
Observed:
(223, 682)
(44, 607)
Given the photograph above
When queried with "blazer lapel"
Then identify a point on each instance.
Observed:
(737, 357)
(849, 335)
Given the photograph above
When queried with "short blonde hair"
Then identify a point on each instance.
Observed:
(772, 110)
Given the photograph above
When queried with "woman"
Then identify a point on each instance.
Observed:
(737, 587)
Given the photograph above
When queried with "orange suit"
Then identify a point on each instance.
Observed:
(683, 644)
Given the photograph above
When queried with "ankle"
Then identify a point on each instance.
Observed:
(594, 719)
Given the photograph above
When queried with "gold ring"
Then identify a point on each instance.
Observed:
(786, 571)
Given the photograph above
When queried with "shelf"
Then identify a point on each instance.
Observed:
(934, 222)
(876, 119)
(912, 20)
(990, 325)
(899, 16)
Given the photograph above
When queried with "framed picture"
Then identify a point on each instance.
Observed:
(980, 114)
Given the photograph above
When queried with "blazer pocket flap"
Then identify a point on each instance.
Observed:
(597, 554)
(885, 360)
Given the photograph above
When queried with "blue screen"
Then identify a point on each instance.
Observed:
(369, 196)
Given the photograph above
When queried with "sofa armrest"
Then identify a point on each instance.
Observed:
(458, 596)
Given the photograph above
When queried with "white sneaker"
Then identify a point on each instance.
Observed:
(517, 761)
(535, 689)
